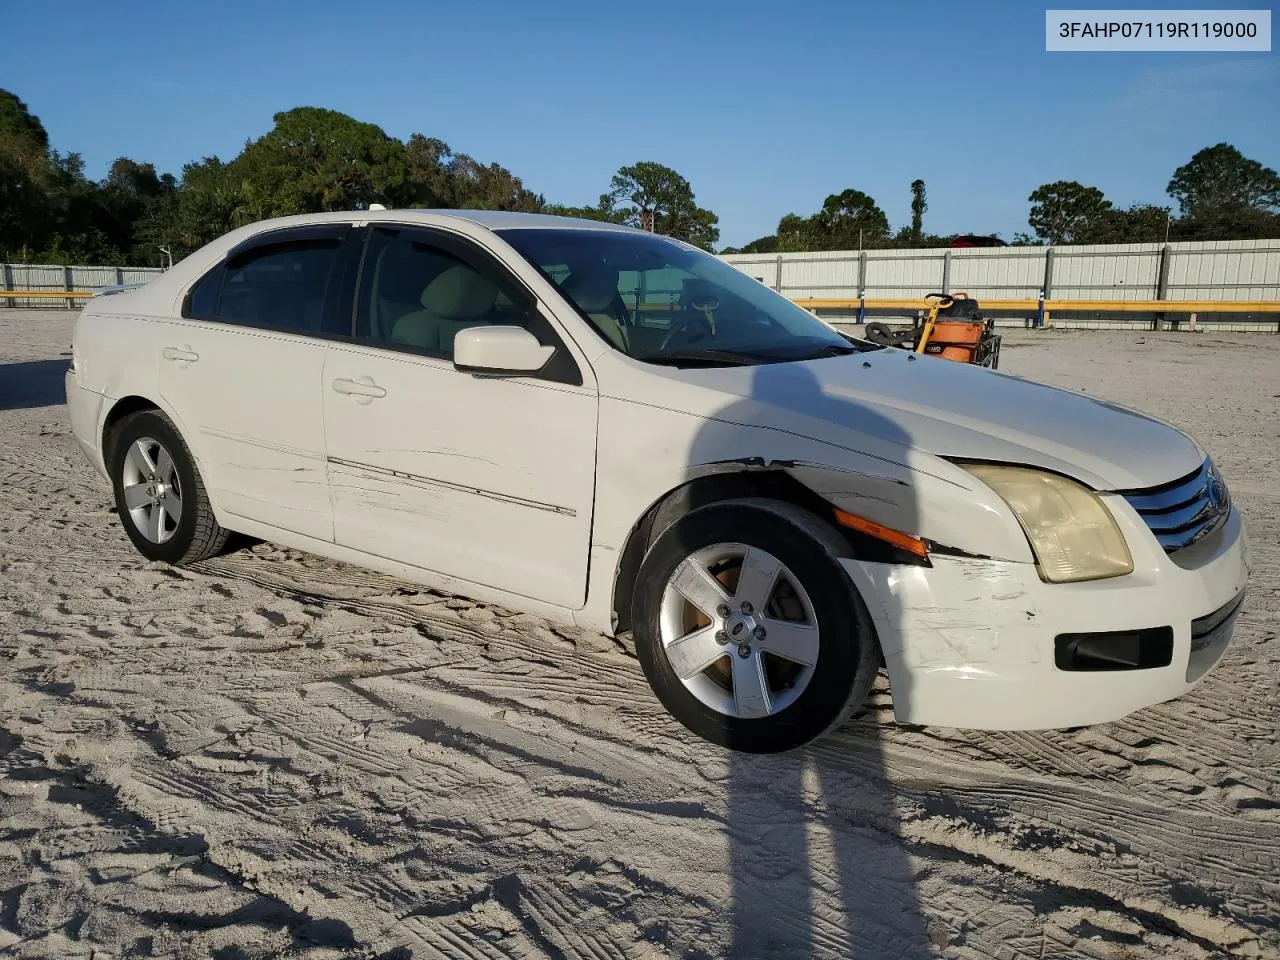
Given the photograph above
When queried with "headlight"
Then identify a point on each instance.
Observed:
(1072, 533)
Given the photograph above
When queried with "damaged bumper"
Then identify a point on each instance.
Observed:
(986, 644)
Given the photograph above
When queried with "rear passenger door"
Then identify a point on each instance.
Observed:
(489, 479)
(242, 370)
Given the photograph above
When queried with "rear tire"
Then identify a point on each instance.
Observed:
(791, 667)
(160, 496)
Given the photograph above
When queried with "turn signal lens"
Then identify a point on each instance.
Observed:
(901, 540)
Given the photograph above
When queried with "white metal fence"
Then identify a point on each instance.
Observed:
(1234, 270)
(48, 278)
(1220, 270)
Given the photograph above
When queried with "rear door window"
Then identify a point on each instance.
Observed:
(285, 284)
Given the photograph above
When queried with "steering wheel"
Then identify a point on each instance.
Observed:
(677, 333)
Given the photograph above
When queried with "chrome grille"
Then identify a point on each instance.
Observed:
(1186, 510)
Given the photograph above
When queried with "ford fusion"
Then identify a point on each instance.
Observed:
(618, 431)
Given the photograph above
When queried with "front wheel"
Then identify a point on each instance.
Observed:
(749, 630)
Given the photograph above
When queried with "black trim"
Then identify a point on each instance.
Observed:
(978, 461)
(1202, 628)
(460, 487)
(489, 373)
(1162, 487)
(1112, 650)
(319, 231)
(348, 269)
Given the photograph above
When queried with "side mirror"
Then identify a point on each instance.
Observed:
(499, 351)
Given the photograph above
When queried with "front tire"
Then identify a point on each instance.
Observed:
(749, 630)
(160, 496)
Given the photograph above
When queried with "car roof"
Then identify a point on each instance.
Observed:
(163, 294)
(488, 219)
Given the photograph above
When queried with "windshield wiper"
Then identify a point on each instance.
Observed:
(710, 357)
(831, 350)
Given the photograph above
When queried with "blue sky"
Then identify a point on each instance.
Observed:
(766, 107)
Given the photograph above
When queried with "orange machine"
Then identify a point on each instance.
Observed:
(953, 328)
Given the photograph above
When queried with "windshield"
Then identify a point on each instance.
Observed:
(664, 302)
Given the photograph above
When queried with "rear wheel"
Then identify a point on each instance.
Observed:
(749, 630)
(160, 496)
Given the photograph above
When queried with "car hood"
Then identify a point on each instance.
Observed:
(944, 408)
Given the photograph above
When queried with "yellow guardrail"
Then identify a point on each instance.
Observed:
(1042, 310)
(1120, 306)
(1104, 306)
(1117, 306)
(50, 294)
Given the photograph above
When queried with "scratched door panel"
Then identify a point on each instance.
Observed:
(489, 480)
(253, 400)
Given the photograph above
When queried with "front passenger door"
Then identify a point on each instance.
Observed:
(487, 479)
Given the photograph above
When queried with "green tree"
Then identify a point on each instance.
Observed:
(211, 200)
(792, 235)
(1220, 178)
(428, 171)
(16, 120)
(602, 211)
(1141, 223)
(314, 160)
(1229, 223)
(919, 205)
(27, 180)
(1065, 211)
(765, 244)
(849, 220)
(654, 197)
(438, 177)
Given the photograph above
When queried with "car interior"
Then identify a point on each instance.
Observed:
(406, 310)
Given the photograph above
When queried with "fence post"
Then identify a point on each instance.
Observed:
(862, 286)
(68, 285)
(1162, 286)
(8, 284)
(777, 277)
(946, 272)
(119, 276)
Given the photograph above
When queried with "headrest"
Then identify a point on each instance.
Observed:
(459, 293)
(592, 290)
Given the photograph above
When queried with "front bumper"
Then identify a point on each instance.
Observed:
(970, 642)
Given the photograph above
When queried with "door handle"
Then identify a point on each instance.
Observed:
(359, 388)
(180, 355)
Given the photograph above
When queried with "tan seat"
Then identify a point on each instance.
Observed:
(456, 299)
(595, 291)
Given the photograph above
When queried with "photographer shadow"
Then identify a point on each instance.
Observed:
(818, 866)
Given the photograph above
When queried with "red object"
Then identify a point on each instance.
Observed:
(973, 240)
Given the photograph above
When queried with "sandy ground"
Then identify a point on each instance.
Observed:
(274, 755)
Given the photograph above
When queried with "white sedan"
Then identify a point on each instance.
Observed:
(618, 431)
